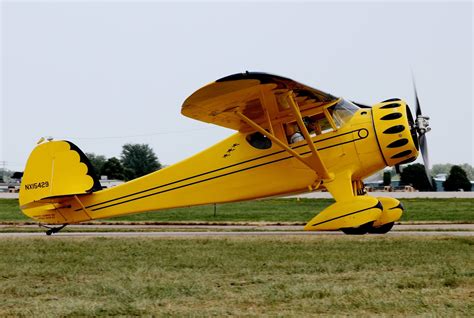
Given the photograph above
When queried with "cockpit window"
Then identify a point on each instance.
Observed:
(342, 112)
(327, 120)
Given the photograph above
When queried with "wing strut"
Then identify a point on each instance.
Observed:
(259, 128)
(316, 162)
(82, 206)
(265, 107)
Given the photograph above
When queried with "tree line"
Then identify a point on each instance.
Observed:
(414, 175)
(135, 160)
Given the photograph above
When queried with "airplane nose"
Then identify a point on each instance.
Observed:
(393, 125)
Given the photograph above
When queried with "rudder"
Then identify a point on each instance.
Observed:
(56, 169)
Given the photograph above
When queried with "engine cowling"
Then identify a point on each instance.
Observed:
(393, 124)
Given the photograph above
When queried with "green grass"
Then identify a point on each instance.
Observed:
(265, 276)
(273, 210)
(277, 210)
(438, 210)
(10, 211)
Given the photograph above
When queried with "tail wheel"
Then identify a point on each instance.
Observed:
(363, 229)
(381, 229)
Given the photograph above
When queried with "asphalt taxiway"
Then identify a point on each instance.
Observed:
(224, 230)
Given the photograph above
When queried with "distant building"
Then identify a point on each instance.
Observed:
(376, 184)
(106, 183)
(439, 179)
(11, 187)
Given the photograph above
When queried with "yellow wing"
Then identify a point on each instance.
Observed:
(255, 95)
(258, 102)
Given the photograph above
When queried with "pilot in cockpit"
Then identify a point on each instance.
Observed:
(297, 135)
(309, 122)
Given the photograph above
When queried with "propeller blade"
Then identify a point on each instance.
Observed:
(426, 159)
(421, 129)
(417, 101)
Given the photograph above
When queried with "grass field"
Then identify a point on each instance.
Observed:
(276, 210)
(268, 276)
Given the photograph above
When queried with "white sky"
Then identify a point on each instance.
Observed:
(87, 70)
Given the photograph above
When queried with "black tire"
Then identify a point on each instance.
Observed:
(381, 229)
(363, 229)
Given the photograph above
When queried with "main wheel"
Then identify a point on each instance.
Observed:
(363, 229)
(381, 229)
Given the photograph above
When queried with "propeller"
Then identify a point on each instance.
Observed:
(421, 126)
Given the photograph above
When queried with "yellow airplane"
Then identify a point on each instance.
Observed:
(290, 138)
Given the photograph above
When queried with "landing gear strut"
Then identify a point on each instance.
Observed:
(52, 230)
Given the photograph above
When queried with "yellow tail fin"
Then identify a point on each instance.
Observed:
(56, 169)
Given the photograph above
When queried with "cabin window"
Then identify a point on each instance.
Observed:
(329, 120)
(316, 125)
(259, 141)
(323, 126)
(342, 112)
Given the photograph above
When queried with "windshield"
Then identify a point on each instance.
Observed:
(342, 112)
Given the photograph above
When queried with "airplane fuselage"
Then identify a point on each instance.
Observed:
(231, 170)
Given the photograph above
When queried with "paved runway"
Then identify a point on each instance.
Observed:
(231, 230)
(214, 234)
(256, 227)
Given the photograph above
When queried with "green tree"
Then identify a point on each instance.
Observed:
(415, 176)
(17, 175)
(138, 160)
(97, 162)
(387, 178)
(446, 167)
(440, 168)
(113, 169)
(5, 175)
(469, 170)
(456, 180)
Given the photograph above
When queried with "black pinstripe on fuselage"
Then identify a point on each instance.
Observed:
(95, 207)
